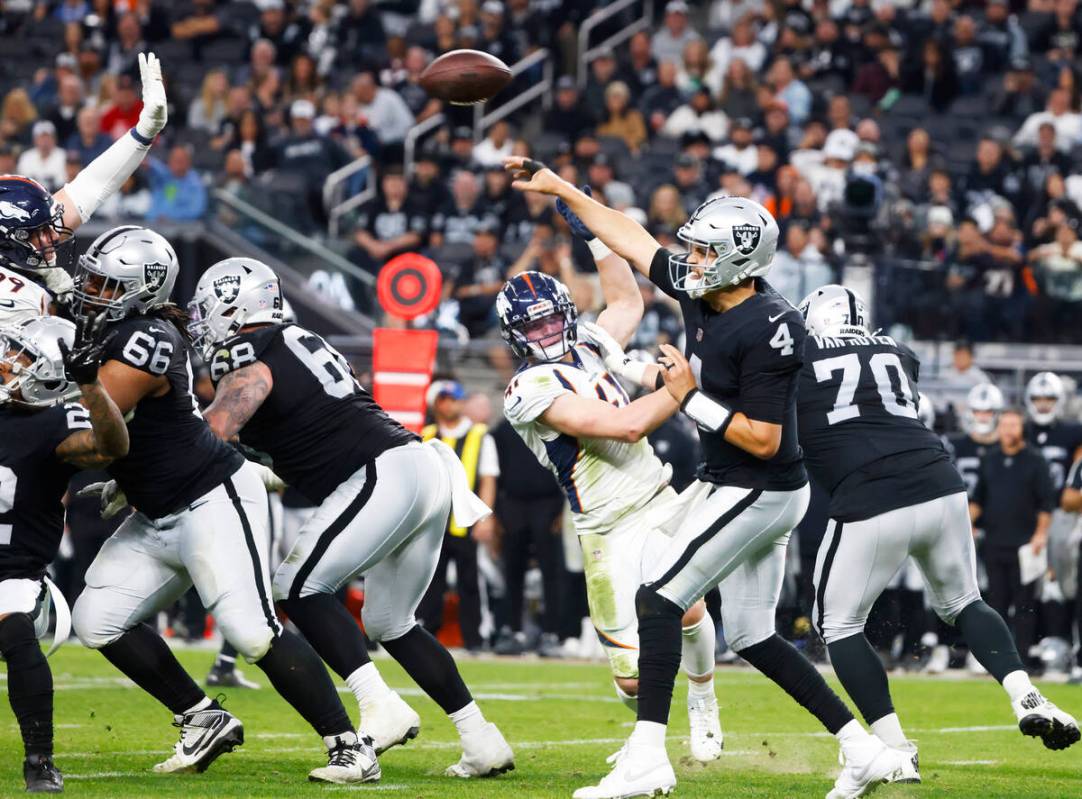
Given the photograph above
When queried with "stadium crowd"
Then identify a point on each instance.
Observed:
(940, 142)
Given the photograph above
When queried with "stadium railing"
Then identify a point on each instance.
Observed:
(336, 186)
(587, 54)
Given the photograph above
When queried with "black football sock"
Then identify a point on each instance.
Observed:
(297, 673)
(780, 661)
(227, 658)
(431, 666)
(989, 639)
(660, 642)
(30, 683)
(862, 675)
(331, 631)
(144, 657)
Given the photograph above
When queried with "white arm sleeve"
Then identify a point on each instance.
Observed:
(489, 464)
(106, 174)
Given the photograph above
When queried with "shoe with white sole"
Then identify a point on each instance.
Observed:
(1039, 718)
(204, 736)
(868, 763)
(230, 678)
(388, 721)
(939, 661)
(973, 666)
(910, 772)
(706, 740)
(484, 754)
(350, 759)
(637, 771)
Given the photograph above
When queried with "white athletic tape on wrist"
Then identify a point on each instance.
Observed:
(707, 413)
(598, 249)
(630, 370)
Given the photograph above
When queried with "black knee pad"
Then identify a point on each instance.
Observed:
(649, 604)
(16, 629)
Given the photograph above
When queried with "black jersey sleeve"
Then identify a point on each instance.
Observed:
(770, 368)
(1047, 495)
(659, 274)
(57, 423)
(146, 344)
(241, 350)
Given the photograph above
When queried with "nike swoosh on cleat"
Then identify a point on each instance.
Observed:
(206, 733)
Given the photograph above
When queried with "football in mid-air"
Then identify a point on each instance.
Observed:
(465, 77)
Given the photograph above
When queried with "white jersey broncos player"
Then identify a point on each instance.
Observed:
(894, 493)
(738, 383)
(578, 421)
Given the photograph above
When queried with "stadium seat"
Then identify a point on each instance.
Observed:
(910, 105)
(225, 51)
(969, 107)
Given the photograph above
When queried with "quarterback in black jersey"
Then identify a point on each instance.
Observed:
(200, 517)
(1056, 438)
(894, 493)
(744, 347)
(43, 441)
(983, 405)
(383, 502)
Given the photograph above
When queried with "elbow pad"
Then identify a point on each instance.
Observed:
(707, 412)
(105, 175)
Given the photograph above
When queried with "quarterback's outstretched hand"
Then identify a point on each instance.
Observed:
(530, 175)
(155, 111)
(676, 370)
(112, 498)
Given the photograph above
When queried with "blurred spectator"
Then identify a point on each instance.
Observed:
(568, 116)
(697, 115)
(237, 101)
(125, 49)
(1018, 94)
(741, 45)
(916, 165)
(498, 201)
(1001, 37)
(831, 56)
(303, 81)
(968, 55)
(698, 70)
(1057, 267)
(639, 70)
(68, 102)
(620, 119)
(934, 78)
(480, 280)
(122, 115)
(795, 94)
(278, 25)
(308, 155)
(982, 284)
(177, 192)
(390, 224)
(1061, 37)
(16, 114)
(492, 149)
(602, 73)
(459, 221)
(876, 78)
(87, 142)
(428, 191)
(250, 140)
(668, 43)
(133, 201)
(799, 267)
(740, 153)
(261, 64)
(990, 175)
(44, 162)
(495, 40)
(197, 22)
(1043, 160)
(960, 376)
(666, 208)
(360, 39)
(690, 182)
(1013, 504)
(385, 112)
(409, 87)
(1068, 123)
(208, 109)
(662, 98)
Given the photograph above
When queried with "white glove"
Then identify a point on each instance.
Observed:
(112, 498)
(58, 281)
(271, 481)
(616, 360)
(155, 112)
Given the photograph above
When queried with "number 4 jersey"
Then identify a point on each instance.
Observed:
(317, 424)
(32, 485)
(862, 440)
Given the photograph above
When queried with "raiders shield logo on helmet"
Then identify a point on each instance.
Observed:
(227, 287)
(154, 274)
(746, 238)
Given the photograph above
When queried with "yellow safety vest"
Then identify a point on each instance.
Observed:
(468, 449)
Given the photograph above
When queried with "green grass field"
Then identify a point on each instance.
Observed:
(562, 720)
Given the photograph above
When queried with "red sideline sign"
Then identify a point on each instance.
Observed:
(402, 363)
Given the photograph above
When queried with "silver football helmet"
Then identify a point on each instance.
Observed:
(925, 410)
(35, 376)
(731, 239)
(127, 270)
(986, 400)
(1045, 385)
(834, 311)
(231, 294)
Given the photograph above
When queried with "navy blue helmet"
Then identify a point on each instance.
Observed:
(31, 225)
(537, 316)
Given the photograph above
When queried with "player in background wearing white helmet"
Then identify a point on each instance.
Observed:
(1059, 440)
(980, 418)
(36, 227)
(580, 424)
(744, 342)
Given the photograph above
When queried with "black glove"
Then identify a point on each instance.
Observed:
(83, 359)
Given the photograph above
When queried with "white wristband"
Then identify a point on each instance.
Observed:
(630, 370)
(598, 248)
(707, 413)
